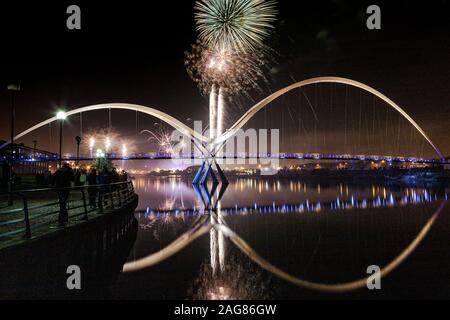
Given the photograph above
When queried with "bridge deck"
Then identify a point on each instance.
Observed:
(281, 156)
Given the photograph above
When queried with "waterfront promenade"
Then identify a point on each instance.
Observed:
(35, 212)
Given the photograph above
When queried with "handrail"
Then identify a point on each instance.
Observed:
(68, 188)
(101, 198)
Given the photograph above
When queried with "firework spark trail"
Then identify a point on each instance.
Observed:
(212, 112)
(220, 113)
(162, 138)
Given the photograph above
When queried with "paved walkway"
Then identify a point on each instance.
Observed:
(43, 210)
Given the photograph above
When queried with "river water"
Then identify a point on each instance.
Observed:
(324, 233)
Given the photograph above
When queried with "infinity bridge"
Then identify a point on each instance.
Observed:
(210, 147)
(213, 220)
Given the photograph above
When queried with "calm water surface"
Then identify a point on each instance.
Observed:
(327, 233)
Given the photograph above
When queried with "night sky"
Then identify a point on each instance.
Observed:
(133, 52)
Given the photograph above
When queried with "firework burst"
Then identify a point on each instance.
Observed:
(230, 59)
(234, 72)
(109, 141)
(238, 25)
(160, 138)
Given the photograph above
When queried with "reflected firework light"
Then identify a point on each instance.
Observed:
(219, 294)
(165, 224)
(240, 280)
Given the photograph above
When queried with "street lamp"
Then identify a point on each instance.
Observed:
(13, 88)
(78, 140)
(61, 116)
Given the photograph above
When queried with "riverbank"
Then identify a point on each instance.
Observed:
(37, 268)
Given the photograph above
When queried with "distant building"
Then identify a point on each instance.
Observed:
(28, 160)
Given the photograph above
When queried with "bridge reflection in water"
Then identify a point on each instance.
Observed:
(375, 224)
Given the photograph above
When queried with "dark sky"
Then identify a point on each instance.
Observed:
(133, 52)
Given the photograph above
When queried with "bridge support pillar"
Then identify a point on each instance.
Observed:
(207, 171)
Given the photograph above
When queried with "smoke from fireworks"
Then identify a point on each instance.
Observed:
(234, 72)
(237, 25)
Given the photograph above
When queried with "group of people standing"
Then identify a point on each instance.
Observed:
(97, 182)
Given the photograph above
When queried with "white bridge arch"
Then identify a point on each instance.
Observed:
(176, 124)
(265, 103)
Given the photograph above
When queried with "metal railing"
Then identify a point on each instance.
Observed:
(41, 208)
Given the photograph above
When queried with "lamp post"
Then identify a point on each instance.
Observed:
(78, 140)
(61, 116)
(13, 88)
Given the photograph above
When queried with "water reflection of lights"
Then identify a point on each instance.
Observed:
(220, 294)
(344, 190)
(204, 227)
(163, 223)
(413, 198)
(221, 280)
(169, 204)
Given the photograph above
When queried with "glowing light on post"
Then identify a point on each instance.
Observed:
(61, 115)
